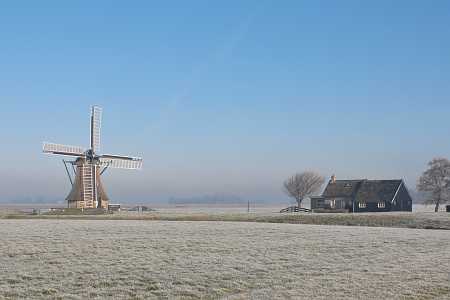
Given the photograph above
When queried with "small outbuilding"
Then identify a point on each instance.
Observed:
(113, 207)
(364, 195)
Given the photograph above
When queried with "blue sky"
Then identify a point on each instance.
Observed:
(228, 97)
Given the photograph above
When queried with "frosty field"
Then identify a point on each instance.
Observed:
(230, 260)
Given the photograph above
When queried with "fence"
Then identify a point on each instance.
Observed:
(294, 209)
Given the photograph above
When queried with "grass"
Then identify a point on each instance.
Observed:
(79, 259)
(418, 220)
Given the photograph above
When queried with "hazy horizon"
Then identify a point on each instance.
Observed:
(230, 98)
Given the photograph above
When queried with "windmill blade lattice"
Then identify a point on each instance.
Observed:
(96, 123)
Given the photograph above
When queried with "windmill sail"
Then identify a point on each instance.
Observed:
(96, 122)
(53, 148)
(121, 162)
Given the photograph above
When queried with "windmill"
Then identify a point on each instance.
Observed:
(88, 166)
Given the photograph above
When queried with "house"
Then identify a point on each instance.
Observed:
(364, 195)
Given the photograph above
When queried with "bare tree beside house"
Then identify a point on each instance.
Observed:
(435, 182)
(301, 185)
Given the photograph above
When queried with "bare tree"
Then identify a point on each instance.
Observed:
(303, 184)
(435, 181)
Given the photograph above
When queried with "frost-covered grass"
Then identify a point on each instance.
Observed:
(439, 220)
(421, 217)
(81, 259)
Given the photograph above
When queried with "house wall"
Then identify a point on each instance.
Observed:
(324, 203)
(403, 201)
(317, 202)
(349, 204)
(373, 207)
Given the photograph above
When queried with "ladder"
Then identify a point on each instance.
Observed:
(88, 186)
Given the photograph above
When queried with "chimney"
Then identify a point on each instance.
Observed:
(333, 178)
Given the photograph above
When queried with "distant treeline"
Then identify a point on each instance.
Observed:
(208, 199)
(31, 200)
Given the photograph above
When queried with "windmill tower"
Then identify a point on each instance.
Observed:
(88, 166)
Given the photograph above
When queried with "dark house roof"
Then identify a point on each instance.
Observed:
(378, 190)
(363, 190)
(341, 188)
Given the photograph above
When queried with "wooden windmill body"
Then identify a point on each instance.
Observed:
(81, 194)
(88, 166)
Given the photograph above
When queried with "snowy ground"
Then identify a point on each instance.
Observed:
(156, 259)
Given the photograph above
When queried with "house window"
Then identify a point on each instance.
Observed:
(362, 204)
(381, 204)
